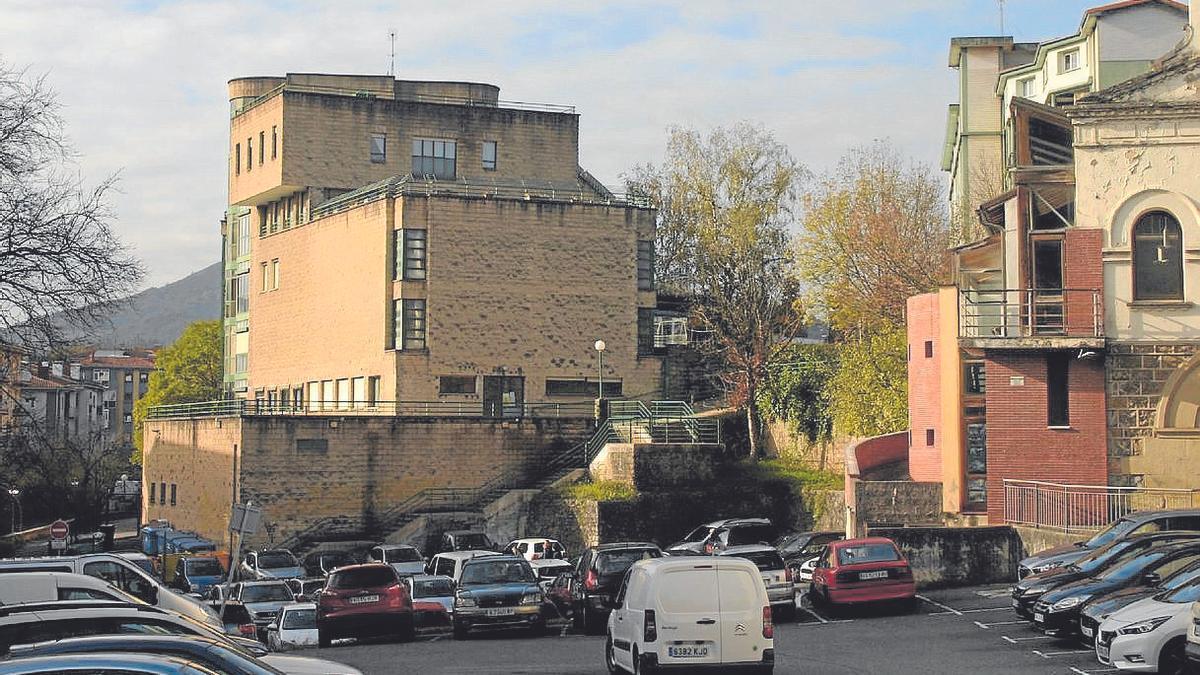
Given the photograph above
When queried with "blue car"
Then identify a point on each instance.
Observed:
(499, 591)
(199, 573)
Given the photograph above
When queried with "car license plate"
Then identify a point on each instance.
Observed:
(1102, 653)
(687, 652)
(881, 574)
(1039, 617)
(1087, 631)
(500, 611)
(364, 599)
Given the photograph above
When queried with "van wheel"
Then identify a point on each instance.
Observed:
(640, 668)
(610, 658)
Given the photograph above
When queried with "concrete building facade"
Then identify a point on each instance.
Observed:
(124, 378)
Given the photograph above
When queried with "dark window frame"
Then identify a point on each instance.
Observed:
(489, 164)
(457, 384)
(437, 157)
(378, 156)
(929, 349)
(930, 437)
(409, 324)
(1150, 248)
(1058, 392)
(274, 141)
(645, 265)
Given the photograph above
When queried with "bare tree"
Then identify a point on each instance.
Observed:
(61, 265)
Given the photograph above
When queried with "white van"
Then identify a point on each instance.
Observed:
(121, 573)
(691, 612)
(23, 587)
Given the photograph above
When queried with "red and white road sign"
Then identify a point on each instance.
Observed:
(59, 529)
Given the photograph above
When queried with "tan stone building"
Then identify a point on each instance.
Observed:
(392, 240)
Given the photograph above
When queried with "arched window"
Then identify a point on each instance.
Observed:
(1157, 258)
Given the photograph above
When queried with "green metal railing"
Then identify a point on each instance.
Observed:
(253, 407)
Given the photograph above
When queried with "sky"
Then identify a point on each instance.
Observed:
(143, 83)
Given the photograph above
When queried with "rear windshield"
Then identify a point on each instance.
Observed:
(698, 534)
(236, 614)
(433, 588)
(266, 593)
(276, 559)
(613, 562)
(403, 555)
(337, 559)
(472, 540)
(1114, 532)
(203, 567)
(765, 560)
(363, 577)
(300, 618)
(552, 571)
(751, 534)
(867, 553)
(497, 572)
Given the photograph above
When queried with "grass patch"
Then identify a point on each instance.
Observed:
(793, 471)
(600, 491)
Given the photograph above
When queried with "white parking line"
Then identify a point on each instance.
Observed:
(818, 616)
(1025, 639)
(986, 626)
(935, 603)
(1090, 672)
(997, 593)
(1047, 655)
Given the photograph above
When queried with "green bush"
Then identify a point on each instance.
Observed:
(601, 491)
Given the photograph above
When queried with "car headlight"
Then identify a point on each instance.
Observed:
(464, 601)
(534, 598)
(1068, 603)
(1042, 567)
(1143, 627)
(1035, 590)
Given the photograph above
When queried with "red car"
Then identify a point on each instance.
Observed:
(361, 601)
(867, 570)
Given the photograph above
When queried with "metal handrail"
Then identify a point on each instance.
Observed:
(467, 101)
(1029, 312)
(1073, 507)
(258, 407)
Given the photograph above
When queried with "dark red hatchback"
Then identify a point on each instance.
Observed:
(364, 601)
(867, 570)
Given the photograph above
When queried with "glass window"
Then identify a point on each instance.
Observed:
(410, 254)
(378, 148)
(489, 155)
(1157, 258)
(173, 485)
(363, 577)
(1026, 87)
(262, 147)
(299, 619)
(237, 159)
(249, 154)
(434, 158)
(275, 274)
(409, 328)
(974, 379)
(274, 142)
(456, 384)
(865, 553)
(584, 387)
(645, 265)
(1069, 61)
(1057, 399)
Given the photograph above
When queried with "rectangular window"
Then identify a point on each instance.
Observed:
(249, 154)
(373, 391)
(1069, 61)
(162, 492)
(456, 384)
(489, 155)
(262, 147)
(143, 377)
(1057, 397)
(433, 158)
(328, 395)
(274, 142)
(237, 159)
(172, 494)
(275, 274)
(1025, 87)
(358, 391)
(411, 261)
(129, 378)
(243, 235)
(152, 493)
(1047, 264)
(645, 265)
(378, 148)
(343, 393)
(583, 387)
(929, 349)
(929, 435)
(409, 327)
(974, 379)
(298, 397)
(266, 276)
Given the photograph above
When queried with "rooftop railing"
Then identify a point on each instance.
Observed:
(1030, 312)
(1085, 508)
(253, 408)
(469, 101)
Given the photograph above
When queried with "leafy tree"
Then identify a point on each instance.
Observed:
(187, 371)
(869, 393)
(61, 265)
(798, 391)
(725, 203)
(875, 232)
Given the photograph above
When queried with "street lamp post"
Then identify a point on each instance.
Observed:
(600, 368)
(18, 518)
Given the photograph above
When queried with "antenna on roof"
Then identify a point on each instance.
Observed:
(1001, 3)
(392, 61)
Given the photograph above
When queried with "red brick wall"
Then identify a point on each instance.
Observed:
(924, 389)
(1083, 269)
(1019, 444)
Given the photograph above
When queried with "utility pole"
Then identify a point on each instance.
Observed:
(392, 61)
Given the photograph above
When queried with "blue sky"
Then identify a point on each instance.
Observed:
(143, 82)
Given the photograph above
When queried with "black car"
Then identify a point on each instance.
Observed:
(1098, 609)
(714, 537)
(800, 547)
(465, 540)
(1028, 590)
(500, 591)
(598, 575)
(220, 656)
(321, 563)
(1057, 612)
(1131, 524)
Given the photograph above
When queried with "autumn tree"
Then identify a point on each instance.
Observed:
(868, 394)
(187, 371)
(875, 231)
(61, 264)
(725, 202)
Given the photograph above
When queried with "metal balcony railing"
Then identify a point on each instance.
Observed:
(1030, 312)
(251, 407)
(1081, 508)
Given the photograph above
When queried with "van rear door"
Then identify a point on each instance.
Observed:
(689, 624)
(742, 597)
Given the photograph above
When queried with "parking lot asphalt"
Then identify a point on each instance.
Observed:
(966, 630)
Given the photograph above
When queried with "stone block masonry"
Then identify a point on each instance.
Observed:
(346, 471)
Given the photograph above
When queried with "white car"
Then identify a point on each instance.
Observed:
(1149, 636)
(536, 548)
(450, 563)
(548, 569)
(405, 559)
(805, 572)
(296, 626)
(691, 612)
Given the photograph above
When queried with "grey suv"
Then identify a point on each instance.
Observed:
(1137, 522)
(715, 537)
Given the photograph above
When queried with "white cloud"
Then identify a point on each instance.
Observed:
(143, 84)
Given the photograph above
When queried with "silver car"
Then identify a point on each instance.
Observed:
(781, 589)
(262, 599)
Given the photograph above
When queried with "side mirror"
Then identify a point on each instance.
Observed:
(272, 626)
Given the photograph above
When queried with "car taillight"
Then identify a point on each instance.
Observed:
(650, 628)
(248, 629)
(591, 581)
(397, 596)
(768, 624)
(904, 572)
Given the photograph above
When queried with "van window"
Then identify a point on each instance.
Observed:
(444, 567)
(403, 555)
(688, 591)
(739, 590)
(637, 589)
(120, 576)
(85, 594)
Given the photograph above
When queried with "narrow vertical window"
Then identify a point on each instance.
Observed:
(929, 436)
(249, 154)
(266, 276)
(379, 148)
(173, 494)
(237, 159)
(489, 155)
(414, 254)
(1157, 258)
(262, 147)
(152, 492)
(645, 265)
(929, 349)
(274, 143)
(409, 326)
(1057, 396)
(373, 391)
(275, 274)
